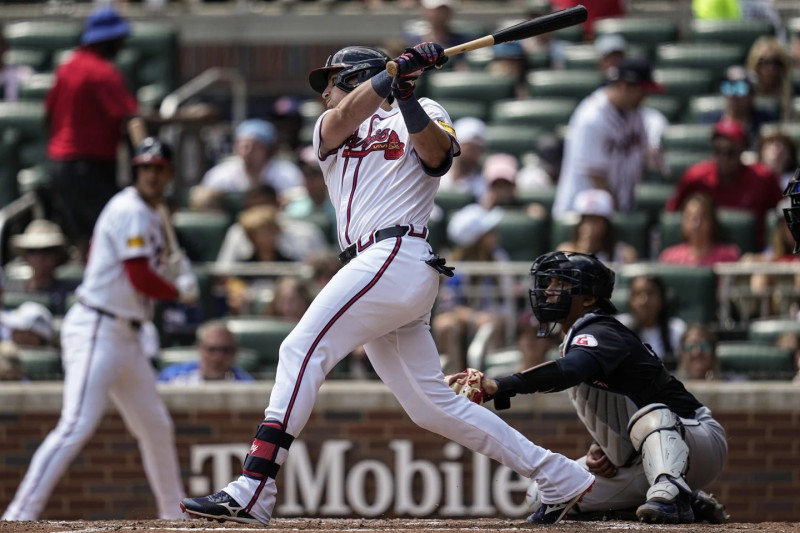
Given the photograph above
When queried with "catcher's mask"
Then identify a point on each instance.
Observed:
(557, 276)
(792, 213)
(355, 65)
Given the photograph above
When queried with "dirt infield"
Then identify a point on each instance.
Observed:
(311, 525)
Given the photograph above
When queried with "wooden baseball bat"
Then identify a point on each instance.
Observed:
(137, 130)
(551, 22)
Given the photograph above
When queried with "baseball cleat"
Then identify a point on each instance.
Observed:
(706, 508)
(677, 511)
(220, 507)
(552, 513)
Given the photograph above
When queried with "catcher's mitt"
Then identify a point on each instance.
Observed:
(468, 383)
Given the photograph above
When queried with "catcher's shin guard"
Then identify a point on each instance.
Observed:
(261, 463)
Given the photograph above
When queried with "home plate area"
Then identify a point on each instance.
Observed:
(313, 525)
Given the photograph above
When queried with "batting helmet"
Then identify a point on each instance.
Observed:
(581, 274)
(792, 213)
(355, 65)
(152, 151)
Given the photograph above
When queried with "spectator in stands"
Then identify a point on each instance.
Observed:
(698, 355)
(217, 350)
(500, 172)
(510, 61)
(771, 65)
(778, 152)
(85, 111)
(738, 88)
(436, 27)
(316, 198)
(11, 75)
(701, 245)
(594, 233)
(611, 49)
(731, 183)
(29, 325)
(262, 228)
(541, 170)
(290, 299)
(608, 144)
(10, 363)
(254, 162)
(649, 316)
(466, 174)
(468, 302)
(546, 42)
(43, 247)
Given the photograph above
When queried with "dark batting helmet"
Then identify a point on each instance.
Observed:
(152, 151)
(792, 213)
(579, 274)
(355, 65)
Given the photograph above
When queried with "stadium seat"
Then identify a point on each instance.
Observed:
(694, 288)
(36, 87)
(246, 359)
(538, 59)
(458, 108)
(701, 105)
(475, 86)
(737, 227)
(644, 31)
(714, 58)
(523, 237)
(757, 361)
(544, 113)
(651, 199)
(46, 36)
(679, 160)
(563, 83)
(157, 66)
(38, 60)
(23, 139)
(685, 82)
(670, 105)
(583, 56)
(41, 364)
(324, 222)
(451, 200)
(13, 299)
(544, 196)
(201, 233)
(263, 335)
(512, 139)
(687, 138)
(768, 330)
(739, 32)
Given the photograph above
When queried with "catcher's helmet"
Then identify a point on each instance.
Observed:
(356, 64)
(152, 151)
(583, 274)
(792, 213)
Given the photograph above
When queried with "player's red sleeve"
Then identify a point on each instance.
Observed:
(146, 281)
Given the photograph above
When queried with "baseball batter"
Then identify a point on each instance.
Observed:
(653, 440)
(102, 350)
(381, 166)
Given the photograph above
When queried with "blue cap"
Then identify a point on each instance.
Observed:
(104, 24)
(260, 129)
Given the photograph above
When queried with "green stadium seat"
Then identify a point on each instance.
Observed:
(651, 199)
(458, 108)
(467, 85)
(757, 361)
(648, 32)
(739, 32)
(451, 200)
(737, 227)
(670, 105)
(38, 60)
(324, 222)
(768, 330)
(523, 237)
(687, 138)
(544, 113)
(13, 299)
(694, 288)
(685, 82)
(563, 83)
(631, 228)
(698, 106)
(46, 36)
(436, 233)
(544, 196)
(512, 139)
(679, 160)
(245, 359)
(157, 65)
(202, 232)
(538, 59)
(23, 136)
(570, 34)
(36, 87)
(263, 335)
(714, 58)
(41, 364)
(583, 56)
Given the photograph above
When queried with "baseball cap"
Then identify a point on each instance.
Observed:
(258, 129)
(608, 43)
(595, 202)
(104, 24)
(500, 167)
(30, 316)
(38, 235)
(470, 129)
(472, 222)
(634, 70)
(731, 129)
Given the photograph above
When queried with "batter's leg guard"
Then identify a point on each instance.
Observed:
(655, 431)
(260, 462)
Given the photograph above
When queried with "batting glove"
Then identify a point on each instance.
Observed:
(403, 88)
(421, 57)
(188, 289)
(468, 383)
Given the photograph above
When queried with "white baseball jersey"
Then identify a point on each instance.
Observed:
(371, 192)
(602, 140)
(127, 228)
(229, 175)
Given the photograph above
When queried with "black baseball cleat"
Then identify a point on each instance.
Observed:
(220, 507)
(676, 511)
(552, 513)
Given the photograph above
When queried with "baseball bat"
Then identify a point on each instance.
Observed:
(551, 22)
(137, 130)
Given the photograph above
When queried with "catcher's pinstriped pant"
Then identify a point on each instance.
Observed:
(383, 299)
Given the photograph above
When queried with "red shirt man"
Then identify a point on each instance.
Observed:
(731, 183)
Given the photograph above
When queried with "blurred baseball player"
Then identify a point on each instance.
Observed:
(103, 355)
(653, 441)
(381, 166)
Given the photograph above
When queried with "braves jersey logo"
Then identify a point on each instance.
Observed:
(385, 140)
(584, 339)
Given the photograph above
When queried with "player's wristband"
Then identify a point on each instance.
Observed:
(382, 84)
(415, 117)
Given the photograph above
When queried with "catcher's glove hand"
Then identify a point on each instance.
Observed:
(468, 383)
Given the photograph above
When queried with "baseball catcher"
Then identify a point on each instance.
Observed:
(654, 442)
